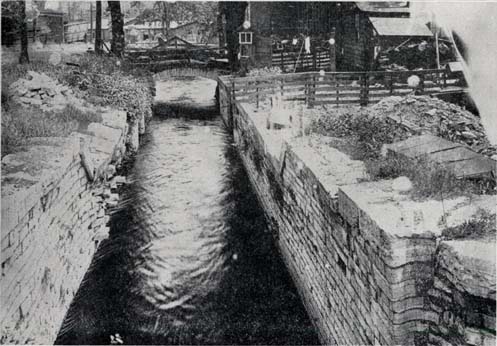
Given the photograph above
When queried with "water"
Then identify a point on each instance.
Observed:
(189, 259)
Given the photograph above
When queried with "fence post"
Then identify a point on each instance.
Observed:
(422, 83)
(364, 90)
(338, 92)
(282, 64)
(312, 92)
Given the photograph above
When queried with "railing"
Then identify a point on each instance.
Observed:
(140, 56)
(341, 88)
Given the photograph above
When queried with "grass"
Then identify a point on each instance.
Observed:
(21, 123)
(364, 133)
(429, 179)
(361, 136)
(99, 80)
(481, 225)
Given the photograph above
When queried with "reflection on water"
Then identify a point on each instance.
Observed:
(189, 259)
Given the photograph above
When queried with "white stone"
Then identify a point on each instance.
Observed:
(402, 184)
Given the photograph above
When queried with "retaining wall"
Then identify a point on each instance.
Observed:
(369, 263)
(53, 218)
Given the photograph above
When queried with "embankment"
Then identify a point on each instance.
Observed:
(53, 219)
(372, 265)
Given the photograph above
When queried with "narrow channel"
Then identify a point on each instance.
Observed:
(190, 259)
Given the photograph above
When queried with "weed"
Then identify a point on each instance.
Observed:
(366, 133)
(481, 225)
(429, 179)
(21, 123)
(361, 136)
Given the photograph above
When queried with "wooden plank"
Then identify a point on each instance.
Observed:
(339, 102)
(475, 167)
(422, 145)
(339, 95)
(454, 154)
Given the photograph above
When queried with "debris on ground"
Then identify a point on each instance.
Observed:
(264, 71)
(424, 114)
(38, 89)
(361, 134)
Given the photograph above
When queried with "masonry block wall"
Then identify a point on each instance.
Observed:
(51, 227)
(360, 284)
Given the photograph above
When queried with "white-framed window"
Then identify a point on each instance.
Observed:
(245, 38)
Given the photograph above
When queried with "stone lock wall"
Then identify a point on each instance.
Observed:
(53, 218)
(364, 276)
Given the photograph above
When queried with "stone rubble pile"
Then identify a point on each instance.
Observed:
(40, 90)
(425, 114)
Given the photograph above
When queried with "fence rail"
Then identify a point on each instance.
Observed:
(339, 88)
(295, 60)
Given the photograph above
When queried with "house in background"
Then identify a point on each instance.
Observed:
(83, 31)
(106, 30)
(367, 29)
(194, 32)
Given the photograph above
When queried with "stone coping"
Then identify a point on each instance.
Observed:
(27, 175)
(383, 212)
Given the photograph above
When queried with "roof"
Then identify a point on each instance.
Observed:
(383, 6)
(399, 27)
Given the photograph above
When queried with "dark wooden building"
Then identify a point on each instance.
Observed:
(275, 33)
(365, 29)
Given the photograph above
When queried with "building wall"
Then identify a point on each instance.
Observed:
(354, 46)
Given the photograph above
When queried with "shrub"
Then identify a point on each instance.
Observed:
(366, 133)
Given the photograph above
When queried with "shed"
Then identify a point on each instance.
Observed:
(366, 29)
(399, 27)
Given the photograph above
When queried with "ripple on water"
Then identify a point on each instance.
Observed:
(189, 259)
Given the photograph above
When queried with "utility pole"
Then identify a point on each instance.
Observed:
(98, 28)
(91, 21)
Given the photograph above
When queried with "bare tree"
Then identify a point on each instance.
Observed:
(23, 30)
(98, 27)
(117, 44)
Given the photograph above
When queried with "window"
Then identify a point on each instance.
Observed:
(245, 50)
(245, 38)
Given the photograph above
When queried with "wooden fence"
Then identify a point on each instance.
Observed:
(341, 88)
(300, 61)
